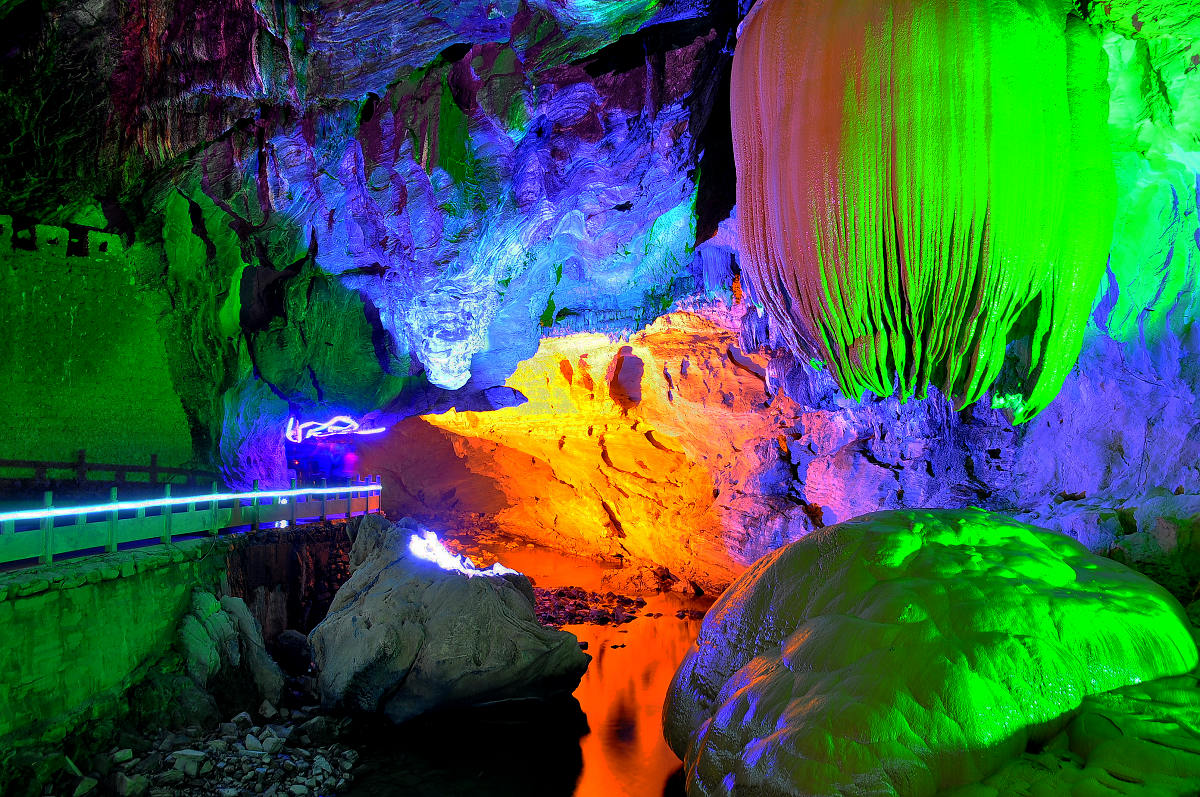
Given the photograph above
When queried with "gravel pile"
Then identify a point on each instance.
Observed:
(295, 756)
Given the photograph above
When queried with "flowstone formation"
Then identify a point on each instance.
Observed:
(406, 634)
(909, 652)
(921, 182)
(1138, 740)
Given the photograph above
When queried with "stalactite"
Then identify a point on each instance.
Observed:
(920, 182)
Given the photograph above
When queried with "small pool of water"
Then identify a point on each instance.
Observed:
(603, 741)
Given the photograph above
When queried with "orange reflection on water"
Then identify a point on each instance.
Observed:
(623, 690)
(622, 694)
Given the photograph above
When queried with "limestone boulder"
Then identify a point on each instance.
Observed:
(405, 636)
(1138, 740)
(221, 647)
(267, 676)
(909, 652)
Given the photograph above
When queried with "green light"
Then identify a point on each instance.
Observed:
(936, 185)
(1009, 401)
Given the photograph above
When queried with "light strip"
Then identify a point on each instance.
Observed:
(297, 432)
(38, 514)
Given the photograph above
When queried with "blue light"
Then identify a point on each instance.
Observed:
(38, 514)
(297, 432)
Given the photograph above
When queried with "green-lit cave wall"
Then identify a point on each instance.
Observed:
(78, 635)
(82, 359)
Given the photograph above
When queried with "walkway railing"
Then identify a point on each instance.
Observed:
(49, 531)
(80, 470)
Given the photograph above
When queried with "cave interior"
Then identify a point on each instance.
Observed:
(608, 398)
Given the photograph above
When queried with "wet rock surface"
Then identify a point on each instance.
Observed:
(575, 605)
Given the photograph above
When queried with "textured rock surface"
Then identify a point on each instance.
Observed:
(908, 652)
(679, 448)
(404, 637)
(365, 205)
(654, 449)
(219, 641)
(1138, 740)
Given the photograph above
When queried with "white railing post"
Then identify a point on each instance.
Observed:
(47, 530)
(254, 506)
(212, 518)
(111, 545)
(80, 522)
(166, 516)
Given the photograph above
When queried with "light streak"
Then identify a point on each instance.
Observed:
(122, 506)
(339, 424)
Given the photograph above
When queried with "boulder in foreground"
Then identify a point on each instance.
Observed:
(907, 652)
(405, 636)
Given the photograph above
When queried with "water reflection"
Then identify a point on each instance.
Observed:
(551, 750)
(622, 694)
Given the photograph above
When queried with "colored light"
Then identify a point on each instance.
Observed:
(338, 424)
(936, 185)
(121, 506)
(427, 546)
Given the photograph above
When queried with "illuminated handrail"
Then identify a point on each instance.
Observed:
(201, 514)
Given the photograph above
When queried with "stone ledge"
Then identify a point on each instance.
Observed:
(72, 573)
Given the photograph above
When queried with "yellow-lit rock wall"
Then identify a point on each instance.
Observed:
(640, 449)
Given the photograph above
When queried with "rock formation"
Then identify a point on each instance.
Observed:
(223, 650)
(908, 653)
(405, 637)
(921, 183)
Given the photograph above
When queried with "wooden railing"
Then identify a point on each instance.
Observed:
(79, 470)
(48, 531)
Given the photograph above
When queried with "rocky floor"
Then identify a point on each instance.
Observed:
(290, 753)
(575, 605)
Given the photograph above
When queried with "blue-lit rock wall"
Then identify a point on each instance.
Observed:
(456, 179)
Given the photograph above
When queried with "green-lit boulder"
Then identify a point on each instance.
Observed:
(903, 653)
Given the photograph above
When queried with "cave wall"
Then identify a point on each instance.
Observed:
(678, 447)
(385, 209)
(1111, 461)
(82, 359)
(381, 207)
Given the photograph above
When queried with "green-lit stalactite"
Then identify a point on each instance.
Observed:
(920, 182)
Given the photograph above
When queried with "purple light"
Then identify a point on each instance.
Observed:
(339, 424)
